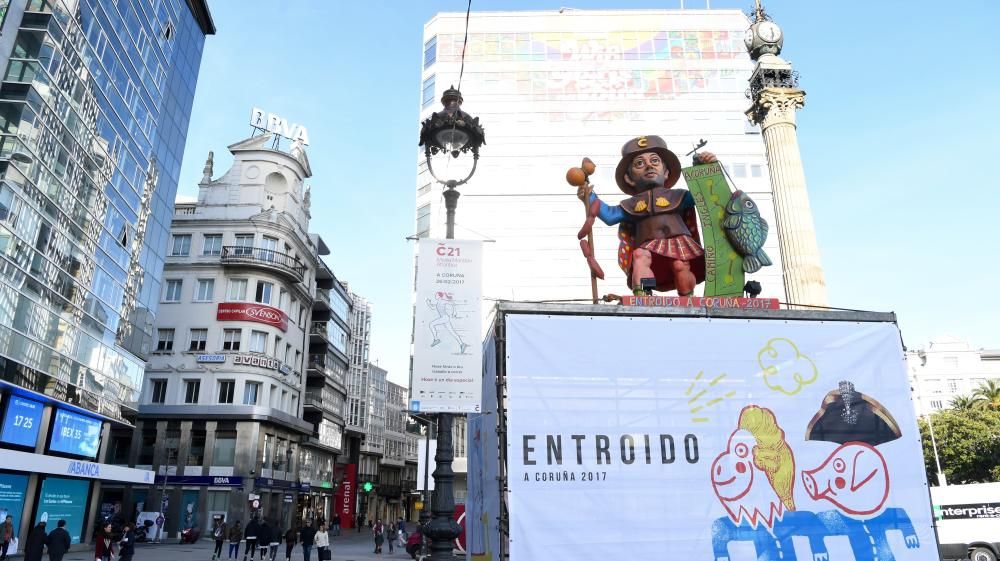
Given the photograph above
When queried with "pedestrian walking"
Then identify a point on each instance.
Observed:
(58, 541)
(104, 548)
(390, 535)
(6, 535)
(323, 544)
(291, 538)
(126, 547)
(253, 528)
(335, 525)
(219, 532)
(378, 531)
(275, 541)
(235, 535)
(307, 535)
(361, 521)
(34, 546)
(264, 539)
(401, 528)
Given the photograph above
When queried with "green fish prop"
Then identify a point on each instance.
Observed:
(746, 231)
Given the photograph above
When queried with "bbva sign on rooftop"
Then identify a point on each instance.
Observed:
(270, 122)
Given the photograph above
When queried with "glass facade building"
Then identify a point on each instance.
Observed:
(95, 101)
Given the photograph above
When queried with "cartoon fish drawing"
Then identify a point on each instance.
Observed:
(746, 230)
(854, 477)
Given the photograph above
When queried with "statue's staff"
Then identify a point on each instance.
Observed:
(578, 177)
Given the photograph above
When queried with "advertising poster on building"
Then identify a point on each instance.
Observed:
(63, 499)
(258, 313)
(21, 421)
(12, 489)
(712, 439)
(482, 506)
(447, 360)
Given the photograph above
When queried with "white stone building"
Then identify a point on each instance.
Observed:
(948, 368)
(223, 390)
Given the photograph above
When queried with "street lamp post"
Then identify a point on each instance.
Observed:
(163, 491)
(453, 132)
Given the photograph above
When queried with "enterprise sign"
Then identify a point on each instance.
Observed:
(260, 119)
(967, 511)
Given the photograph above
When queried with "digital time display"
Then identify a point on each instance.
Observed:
(21, 421)
(75, 434)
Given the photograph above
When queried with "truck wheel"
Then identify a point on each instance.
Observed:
(982, 554)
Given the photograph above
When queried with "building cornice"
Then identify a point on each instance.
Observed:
(149, 412)
(202, 15)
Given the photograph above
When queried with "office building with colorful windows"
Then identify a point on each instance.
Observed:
(552, 87)
(96, 99)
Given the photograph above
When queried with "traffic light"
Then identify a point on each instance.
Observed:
(368, 486)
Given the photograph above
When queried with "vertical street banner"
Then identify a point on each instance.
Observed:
(723, 264)
(712, 439)
(345, 496)
(447, 359)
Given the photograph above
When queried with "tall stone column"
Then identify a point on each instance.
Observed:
(774, 110)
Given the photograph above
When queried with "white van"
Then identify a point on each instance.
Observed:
(967, 518)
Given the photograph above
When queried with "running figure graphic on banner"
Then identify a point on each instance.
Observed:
(444, 305)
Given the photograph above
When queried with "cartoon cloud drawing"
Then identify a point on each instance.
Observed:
(847, 415)
(753, 478)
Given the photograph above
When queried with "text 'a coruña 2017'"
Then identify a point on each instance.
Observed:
(631, 448)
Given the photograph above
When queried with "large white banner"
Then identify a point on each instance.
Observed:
(712, 439)
(447, 359)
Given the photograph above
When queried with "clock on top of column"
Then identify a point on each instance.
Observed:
(763, 37)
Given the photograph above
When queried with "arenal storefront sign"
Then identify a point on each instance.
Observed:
(202, 480)
(259, 313)
(346, 496)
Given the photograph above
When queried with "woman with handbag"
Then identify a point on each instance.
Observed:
(322, 541)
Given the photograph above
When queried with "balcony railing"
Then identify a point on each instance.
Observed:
(323, 297)
(326, 400)
(321, 364)
(262, 257)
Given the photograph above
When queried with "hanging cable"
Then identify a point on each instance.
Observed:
(465, 42)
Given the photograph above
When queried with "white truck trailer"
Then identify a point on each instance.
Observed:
(702, 434)
(968, 520)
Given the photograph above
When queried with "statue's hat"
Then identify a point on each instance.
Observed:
(847, 415)
(641, 145)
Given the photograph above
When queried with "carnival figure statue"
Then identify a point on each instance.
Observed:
(659, 247)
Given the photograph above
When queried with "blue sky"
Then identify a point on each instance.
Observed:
(899, 138)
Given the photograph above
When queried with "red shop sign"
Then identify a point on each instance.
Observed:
(241, 311)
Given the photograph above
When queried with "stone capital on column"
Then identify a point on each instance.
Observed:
(776, 106)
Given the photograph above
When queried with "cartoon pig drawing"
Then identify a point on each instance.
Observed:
(854, 477)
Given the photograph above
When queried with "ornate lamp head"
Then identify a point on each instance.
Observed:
(452, 131)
